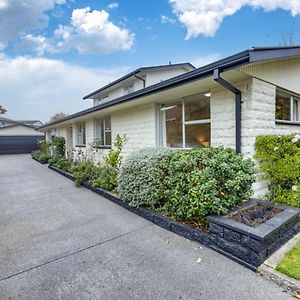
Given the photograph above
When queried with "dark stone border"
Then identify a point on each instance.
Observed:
(164, 222)
(246, 245)
(41, 162)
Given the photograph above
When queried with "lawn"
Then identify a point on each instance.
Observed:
(290, 264)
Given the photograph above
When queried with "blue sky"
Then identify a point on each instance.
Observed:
(61, 49)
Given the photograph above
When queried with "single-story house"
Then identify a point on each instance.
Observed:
(226, 103)
(18, 137)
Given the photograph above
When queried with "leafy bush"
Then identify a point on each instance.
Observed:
(62, 164)
(44, 147)
(279, 159)
(105, 178)
(114, 157)
(42, 157)
(186, 184)
(59, 145)
(83, 171)
(140, 181)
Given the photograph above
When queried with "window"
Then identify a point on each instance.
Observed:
(103, 132)
(186, 124)
(81, 139)
(128, 89)
(101, 100)
(287, 107)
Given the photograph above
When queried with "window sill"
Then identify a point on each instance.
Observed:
(283, 122)
(80, 146)
(103, 147)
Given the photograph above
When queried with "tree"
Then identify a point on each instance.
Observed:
(58, 116)
(2, 110)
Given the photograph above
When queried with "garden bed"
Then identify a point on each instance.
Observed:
(247, 245)
(41, 162)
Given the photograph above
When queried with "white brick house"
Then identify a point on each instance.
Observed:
(229, 103)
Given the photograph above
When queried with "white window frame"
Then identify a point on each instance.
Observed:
(293, 98)
(128, 89)
(81, 134)
(162, 139)
(102, 123)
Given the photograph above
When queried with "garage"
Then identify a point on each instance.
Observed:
(17, 137)
(18, 144)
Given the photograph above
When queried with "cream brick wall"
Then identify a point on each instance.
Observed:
(138, 124)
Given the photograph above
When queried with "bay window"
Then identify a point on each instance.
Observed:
(186, 123)
(103, 132)
(287, 107)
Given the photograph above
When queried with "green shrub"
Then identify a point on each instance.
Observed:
(186, 184)
(105, 177)
(44, 147)
(59, 145)
(279, 159)
(140, 181)
(83, 171)
(62, 164)
(114, 157)
(206, 181)
(42, 157)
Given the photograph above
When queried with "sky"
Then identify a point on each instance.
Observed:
(54, 52)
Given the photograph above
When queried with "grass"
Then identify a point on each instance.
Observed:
(290, 264)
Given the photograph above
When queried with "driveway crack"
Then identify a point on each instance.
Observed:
(74, 253)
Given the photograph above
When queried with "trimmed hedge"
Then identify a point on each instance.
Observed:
(186, 184)
(279, 159)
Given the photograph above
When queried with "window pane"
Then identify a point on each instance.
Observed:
(107, 123)
(197, 135)
(108, 138)
(173, 115)
(296, 109)
(197, 107)
(283, 107)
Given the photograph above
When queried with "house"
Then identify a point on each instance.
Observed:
(19, 136)
(226, 103)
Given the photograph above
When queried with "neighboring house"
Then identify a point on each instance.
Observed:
(18, 136)
(227, 103)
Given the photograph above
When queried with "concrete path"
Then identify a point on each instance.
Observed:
(62, 242)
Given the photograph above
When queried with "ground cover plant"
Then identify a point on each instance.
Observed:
(290, 264)
(43, 154)
(279, 160)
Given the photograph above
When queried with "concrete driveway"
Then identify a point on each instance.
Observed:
(62, 242)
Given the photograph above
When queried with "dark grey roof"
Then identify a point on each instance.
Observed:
(249, 56)
(135, 72)
(18, 124)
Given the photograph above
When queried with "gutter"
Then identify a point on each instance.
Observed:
(238, 107)
(140, 78)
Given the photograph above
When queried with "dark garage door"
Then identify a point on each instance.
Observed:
(18, 144)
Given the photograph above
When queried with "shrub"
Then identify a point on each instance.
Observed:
(105, 177)
(83, 171)
(42, 157)
(62, 164)
(206, 181)
(140, 181)
(44, 147)
(186, 184)
(59, 144)
(114, 157)
(279, 159)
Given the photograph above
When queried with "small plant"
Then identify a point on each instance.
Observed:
(279, 159)
(83, 171)
(105, 178)
(114, 157)
(59, 145)
(60, 163)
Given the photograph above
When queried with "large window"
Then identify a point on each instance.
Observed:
(81, 139)
(101, 100)
(287, 107)
(103, 132)
(186, 124)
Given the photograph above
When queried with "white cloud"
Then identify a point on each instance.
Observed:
(93, 32)
(113, 5)
(164, 19)
(36, 88)
(204, 17)
(16, 17)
